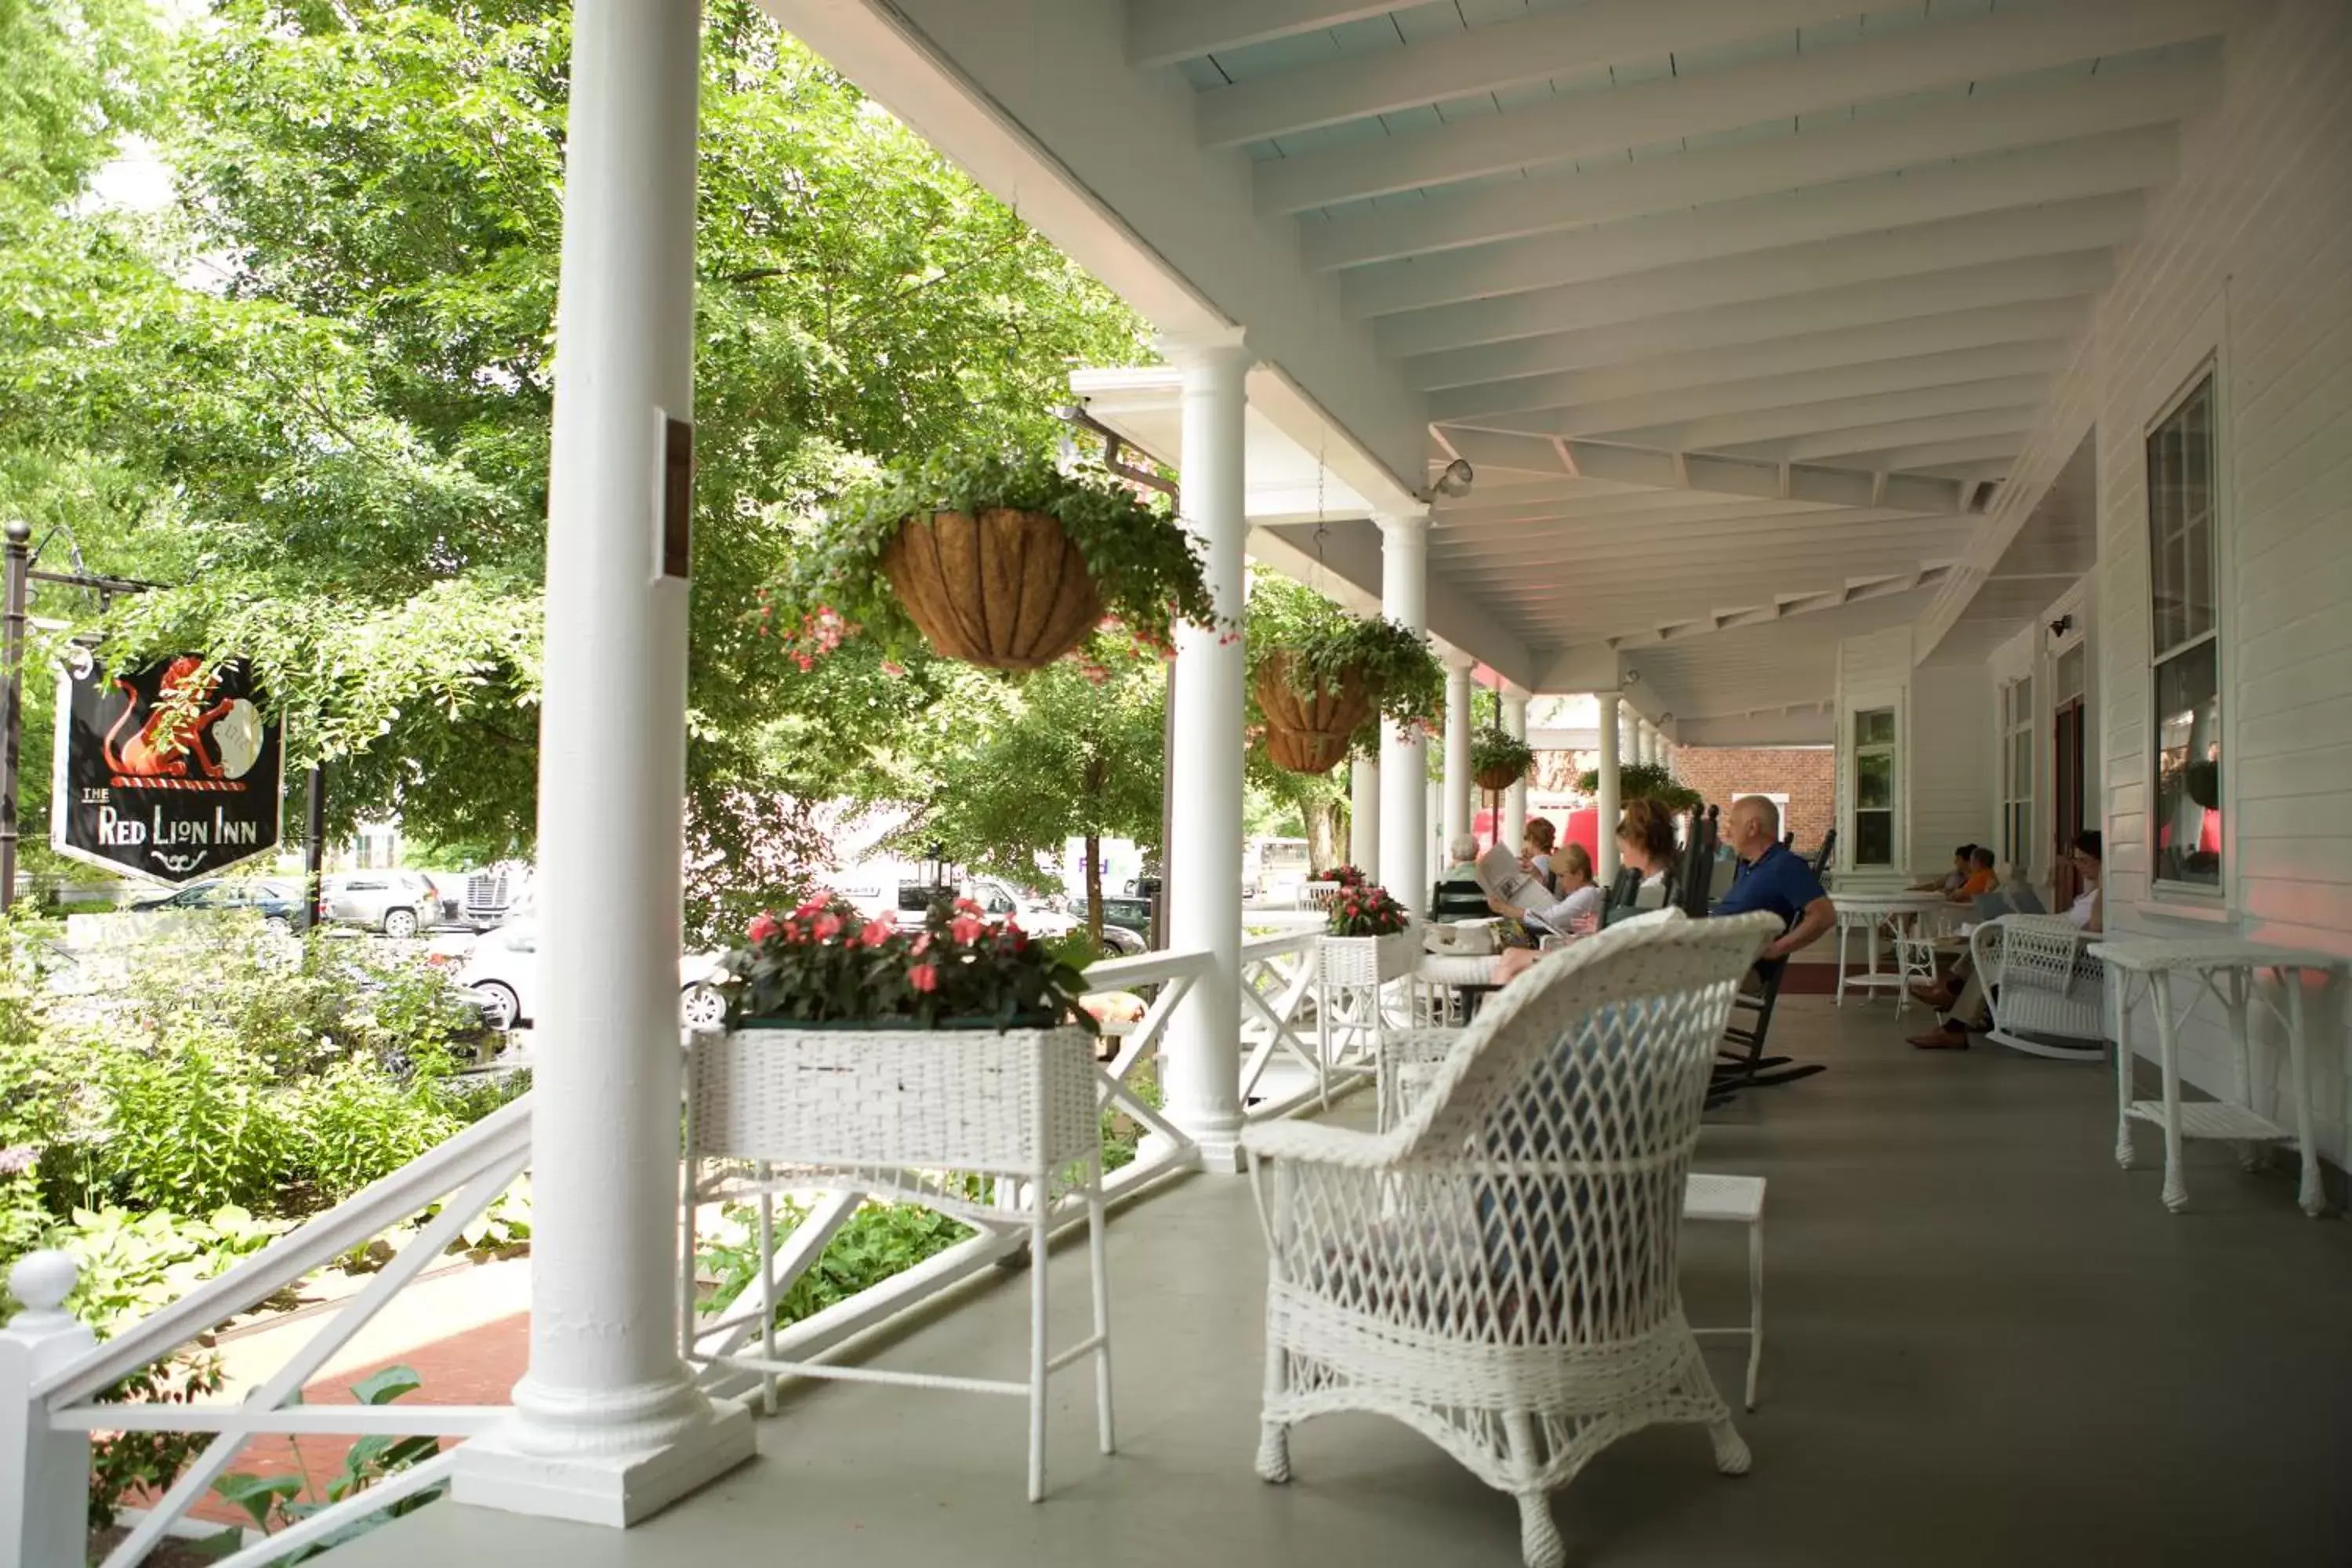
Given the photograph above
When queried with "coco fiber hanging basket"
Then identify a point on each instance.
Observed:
(1307, 734)
(1006, 589)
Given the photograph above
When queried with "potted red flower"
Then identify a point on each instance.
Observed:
(1368, 933)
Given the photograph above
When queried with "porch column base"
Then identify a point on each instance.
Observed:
(506, 1469)
(1217, 1150)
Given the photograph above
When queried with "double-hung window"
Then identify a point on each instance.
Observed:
(2016, 771)
(2186, 653)
(1873, 786)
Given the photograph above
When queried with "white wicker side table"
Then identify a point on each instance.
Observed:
(1736, 1200)
(2227, 967)
(904, 1113)
(1869, 913)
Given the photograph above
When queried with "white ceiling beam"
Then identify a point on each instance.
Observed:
(1997, 362)
(1881, 435)
(1162, 32)
(1623, 588)
(1586, 37)
(2001, 43)
(2034, 281)
(1987, 121)
(1765, 274)
(1673, 470)
(1930, 407)
(1658, 509)
(1561, 497)
(1583, 574)
(1975, 473)
(1739, 517)
(1935, 455)
(1997, 182)
(2050, 320)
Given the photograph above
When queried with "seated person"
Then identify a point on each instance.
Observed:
(1773, 876)
(1960, 997)
(1461, 859)
(1646, 842)
(1576, 910)
(1951, 880)
(1980, 879)
(1536, 848)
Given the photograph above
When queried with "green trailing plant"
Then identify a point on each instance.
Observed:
(1323, 646)
(881, 1240)
(1145, 566)
(1367, 911)
(825, 963)
(1643, 780)
(1496, 753)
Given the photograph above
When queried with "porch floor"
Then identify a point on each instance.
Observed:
(1985, 1345)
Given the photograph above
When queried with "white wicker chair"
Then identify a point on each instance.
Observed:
(1497, 1270)
(2048, 995)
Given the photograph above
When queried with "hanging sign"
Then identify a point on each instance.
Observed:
(167, 771)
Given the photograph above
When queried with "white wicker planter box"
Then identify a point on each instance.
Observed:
(1022, 1101)
(1371, 960)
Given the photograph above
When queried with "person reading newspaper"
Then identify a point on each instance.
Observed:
(1518, 895)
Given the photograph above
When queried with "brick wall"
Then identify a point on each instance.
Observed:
(1806, 774)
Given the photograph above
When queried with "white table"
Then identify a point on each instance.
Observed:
(2225, 966)
(1867, 913)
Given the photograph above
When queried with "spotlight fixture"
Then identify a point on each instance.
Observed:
(2062, 625)
(1457, 480)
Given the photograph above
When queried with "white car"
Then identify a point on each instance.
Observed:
(503, 968)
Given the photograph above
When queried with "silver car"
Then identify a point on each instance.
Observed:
(397, 904)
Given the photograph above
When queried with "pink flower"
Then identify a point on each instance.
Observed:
(965, 905)
(761, 927)
(876, 933)
(924, 977)
(965, 929)
(892, 666)
(827, 927)
(922, 944)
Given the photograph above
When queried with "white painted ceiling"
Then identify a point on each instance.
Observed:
(1741, 309)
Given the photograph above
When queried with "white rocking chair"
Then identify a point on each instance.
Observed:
(1497, 1268)
(2047, 994)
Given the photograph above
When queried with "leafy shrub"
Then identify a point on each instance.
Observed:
(881, 1240)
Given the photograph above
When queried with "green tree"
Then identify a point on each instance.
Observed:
(1072, 752)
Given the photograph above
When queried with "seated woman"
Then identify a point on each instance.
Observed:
(1646, 842)
(1535, 849)
(1960, 996)
(1576, 908)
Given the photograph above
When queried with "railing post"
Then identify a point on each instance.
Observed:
(44, 1474)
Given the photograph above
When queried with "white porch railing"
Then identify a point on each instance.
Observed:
(52, 1374)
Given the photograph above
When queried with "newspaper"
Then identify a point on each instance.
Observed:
(1502, 877)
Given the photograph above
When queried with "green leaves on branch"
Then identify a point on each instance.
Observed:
(1493, 753)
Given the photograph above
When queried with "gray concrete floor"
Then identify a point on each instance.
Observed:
(1985, 1346)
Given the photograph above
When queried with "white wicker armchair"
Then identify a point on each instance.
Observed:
(2048, 994)
(1497, 1270)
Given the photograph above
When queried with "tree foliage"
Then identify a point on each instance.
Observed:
(314, 398)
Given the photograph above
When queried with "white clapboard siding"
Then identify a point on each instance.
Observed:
(2252, 248)
(1952, 777)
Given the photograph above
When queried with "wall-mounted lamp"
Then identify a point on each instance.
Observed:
(1457, 480)
(2062, 625)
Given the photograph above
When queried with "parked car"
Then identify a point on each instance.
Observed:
(276, 902)
(448, 897)
(1127, 924)
(503, 969)
(397, 904)
(495, 894)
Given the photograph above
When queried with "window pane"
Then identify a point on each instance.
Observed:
(2020, 768)
(1874, 780)
(2070, 673)
(1874, 728)
(2188, 767)
(1873, 838)
(2181, 521)
(2197, 606)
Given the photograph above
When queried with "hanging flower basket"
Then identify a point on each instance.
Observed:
(1006, 562)
(1005, 590)
(1499, 760)
(1322, 679)
(1308, 731)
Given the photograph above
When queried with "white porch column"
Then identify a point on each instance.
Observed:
(1515, 799)
(1364, 814)
(1404, 762)
(1205, 849)
(1607, 814)
(1458, 814)
(608, 1426)
(1646, 741)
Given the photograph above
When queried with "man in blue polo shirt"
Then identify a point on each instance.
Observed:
(1773, 877)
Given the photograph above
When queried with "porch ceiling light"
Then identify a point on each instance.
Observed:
(1457, 480)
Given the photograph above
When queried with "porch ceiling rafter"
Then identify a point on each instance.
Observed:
(2001, 43)
(1865, 445)
(1602, 33)
(2049, 321)
(1911, 410)
(1836, 532)
(1932, 456)
(1837, 385)
(1764, 614)
(1928, 247)
(1686, 471)
(1988, 121)
(1645, 509)
(1990, 183)
(2032, 281)
(1729, 572)
(1163, 32)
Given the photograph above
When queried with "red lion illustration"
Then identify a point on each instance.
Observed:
(174, 735)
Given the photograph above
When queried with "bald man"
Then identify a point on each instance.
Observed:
(1774, 878)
